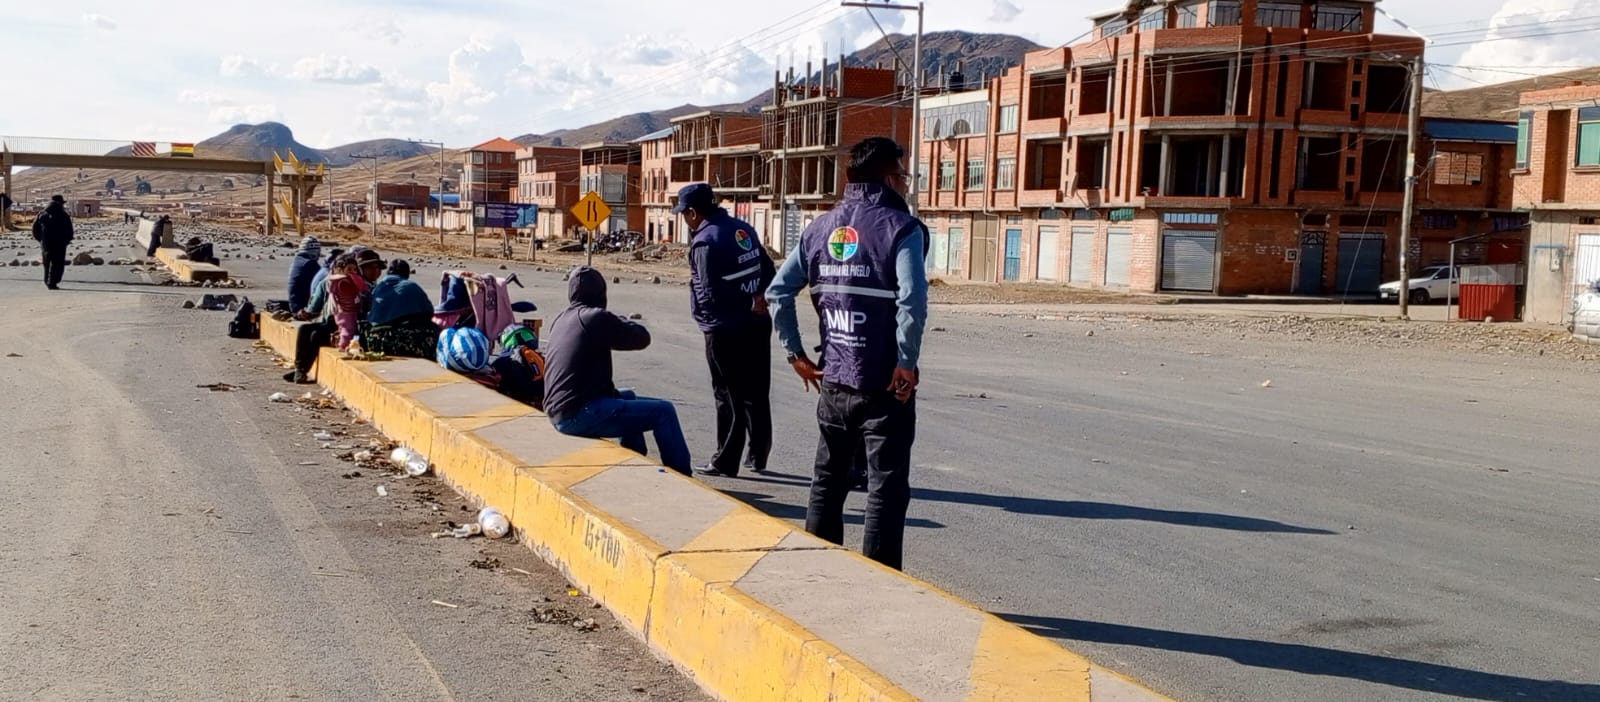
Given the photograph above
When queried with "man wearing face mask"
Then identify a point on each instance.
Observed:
(863, 262)
(730, 271)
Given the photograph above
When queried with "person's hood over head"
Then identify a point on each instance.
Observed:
(587, 288)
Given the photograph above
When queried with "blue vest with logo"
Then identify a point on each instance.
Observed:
(849, 254)
(734, 273)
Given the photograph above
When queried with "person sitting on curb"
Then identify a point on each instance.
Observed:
(400, 322)
(303, 271)
(580, 396)
(324, 329)
(351, 290)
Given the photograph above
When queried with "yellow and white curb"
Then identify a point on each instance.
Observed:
(754, 609)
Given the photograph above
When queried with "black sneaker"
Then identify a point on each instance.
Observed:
(713, 470)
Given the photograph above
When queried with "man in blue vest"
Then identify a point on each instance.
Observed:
(729, 274)
(863, 262)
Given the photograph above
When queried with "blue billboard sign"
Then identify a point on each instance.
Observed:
(510, 215)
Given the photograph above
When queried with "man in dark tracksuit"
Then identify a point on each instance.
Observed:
(864, 264)
(729, 274)
(53, 231)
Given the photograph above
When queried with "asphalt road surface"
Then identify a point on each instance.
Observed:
(1374, 525)
(165, 541)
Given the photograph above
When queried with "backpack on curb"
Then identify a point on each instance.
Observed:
(246, 324)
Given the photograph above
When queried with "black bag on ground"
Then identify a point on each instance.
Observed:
(246, 324)
(520, 380)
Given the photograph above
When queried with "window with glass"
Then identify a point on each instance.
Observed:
(1524, 135)
(1589, 136)
(922, 176)
(1113, 27)
(1277, 14)
(1223, 13)
(1338, 18)
(1005, 174)
(1153, 18)
(947, 175)
(975, 168)
(1009, 115)
(1189, 15)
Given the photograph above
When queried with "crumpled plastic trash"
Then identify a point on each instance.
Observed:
(322, 436)
(279, 397)
(493, 523)
(465, 531)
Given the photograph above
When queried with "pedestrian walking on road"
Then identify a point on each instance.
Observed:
(863, 262)
(53, 231)
(580, 395)
(729, 274)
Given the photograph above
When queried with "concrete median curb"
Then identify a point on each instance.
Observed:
(752, 608)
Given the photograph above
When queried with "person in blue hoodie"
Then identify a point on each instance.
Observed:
(307, 263)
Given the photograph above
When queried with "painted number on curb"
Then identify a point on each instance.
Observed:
(602, 542)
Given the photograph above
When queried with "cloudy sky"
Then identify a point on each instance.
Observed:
(466, 70)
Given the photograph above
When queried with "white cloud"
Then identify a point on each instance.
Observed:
(1519, 43)
(1004, 11)
(236, 66)
(228, 115)
(323, 68)
(384, 29)
(99, 21)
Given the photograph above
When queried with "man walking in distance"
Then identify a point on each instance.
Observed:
(730, 271)
(53, 231)
(863, 262)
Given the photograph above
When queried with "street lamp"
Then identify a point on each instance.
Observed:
(372, 210)
(439, 144)
(916, 92)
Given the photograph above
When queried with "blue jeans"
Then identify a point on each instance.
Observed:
(627, 418)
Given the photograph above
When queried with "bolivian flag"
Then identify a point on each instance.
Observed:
(182, 150)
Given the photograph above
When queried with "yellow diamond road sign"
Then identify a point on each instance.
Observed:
(591, 211)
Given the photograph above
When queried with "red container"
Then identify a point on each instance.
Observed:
(1480, 302)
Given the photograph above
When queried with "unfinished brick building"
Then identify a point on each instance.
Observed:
(1214, 146)
(806, 135)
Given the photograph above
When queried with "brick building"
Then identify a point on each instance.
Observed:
(1557, 179)
(614, 170)
(806, 135)
(490, 174)
(656, 191)
(547, 177)
(723, 149)
(1215, 146)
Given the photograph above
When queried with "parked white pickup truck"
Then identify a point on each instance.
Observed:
(1432, 283)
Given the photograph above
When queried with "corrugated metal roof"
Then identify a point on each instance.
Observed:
(652, 136)
(1466, 130)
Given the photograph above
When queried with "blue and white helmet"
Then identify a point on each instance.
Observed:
(463, 350)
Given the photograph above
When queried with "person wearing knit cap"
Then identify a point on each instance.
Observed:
(302, 271)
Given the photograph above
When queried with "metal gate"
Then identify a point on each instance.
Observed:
(1189, 261)
(1360, 264)
(1119, 257)
(1308, 274)
(1049, 247)
(957, 249)
(1588, 263)
(1082, 256)
(1013, 271)
(939, 258)
(984, 243)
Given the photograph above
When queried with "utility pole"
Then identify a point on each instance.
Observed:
(1408, 209)
(439, 144)
(916, 93)
(372, 209)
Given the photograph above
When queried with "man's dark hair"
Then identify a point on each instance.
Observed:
(874, 159)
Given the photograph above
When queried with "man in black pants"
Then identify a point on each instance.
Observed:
(863, 262)
(729, 274)
(53, 231)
